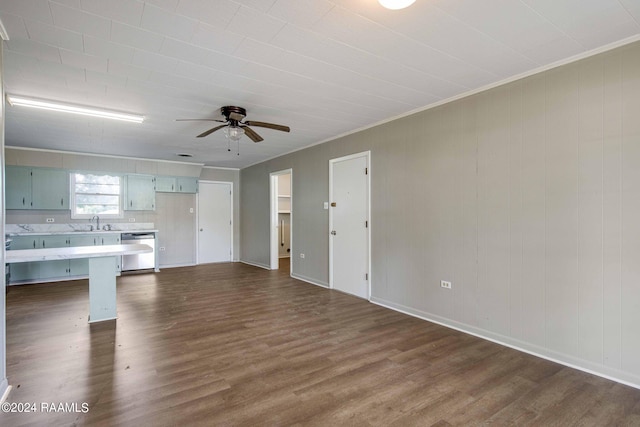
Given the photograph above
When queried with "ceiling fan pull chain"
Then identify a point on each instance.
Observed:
(238, 147)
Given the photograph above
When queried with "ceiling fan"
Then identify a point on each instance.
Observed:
(235, 127)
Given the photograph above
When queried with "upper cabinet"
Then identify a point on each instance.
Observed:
(179, 184)
(187, 184)
(36, 188)
(165, 184)
(49, 188)
(17, 187)
(140, 193)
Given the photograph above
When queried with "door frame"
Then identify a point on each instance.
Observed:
(367, 155)
(230, 183)
(273, 219)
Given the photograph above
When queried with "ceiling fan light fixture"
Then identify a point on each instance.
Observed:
(43, 104)
(396, 4)
(233, 133)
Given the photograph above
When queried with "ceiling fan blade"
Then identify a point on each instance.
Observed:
(210, 131)
(199, 120)
(268, 125)
(252, 134)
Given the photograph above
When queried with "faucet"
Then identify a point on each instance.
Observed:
(97, 218)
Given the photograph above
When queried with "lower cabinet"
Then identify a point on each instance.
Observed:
(43, 271)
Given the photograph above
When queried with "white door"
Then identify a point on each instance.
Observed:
(348, 220)
(215, 228)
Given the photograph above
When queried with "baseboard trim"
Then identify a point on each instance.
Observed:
(310, 280)
(255, 264)
(560, 358)
(177, 265)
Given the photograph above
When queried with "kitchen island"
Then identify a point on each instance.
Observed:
(102, 277)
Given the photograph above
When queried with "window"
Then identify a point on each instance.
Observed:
(93, 194)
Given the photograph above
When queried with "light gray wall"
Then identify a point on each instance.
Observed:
(3, 311)
(233, 176)
(526, 197)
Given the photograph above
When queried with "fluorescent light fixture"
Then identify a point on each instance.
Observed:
(396, 4)
(74, 109)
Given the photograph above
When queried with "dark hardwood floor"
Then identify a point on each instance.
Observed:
(231, 344)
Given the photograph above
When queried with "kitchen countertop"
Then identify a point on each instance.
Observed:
(54, 233)
(49, 254)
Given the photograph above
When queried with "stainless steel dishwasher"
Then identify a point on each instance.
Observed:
(140, 261)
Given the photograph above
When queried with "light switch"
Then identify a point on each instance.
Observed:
(190, 210)
(326, 205)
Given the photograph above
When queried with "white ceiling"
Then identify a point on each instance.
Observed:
(324, 68)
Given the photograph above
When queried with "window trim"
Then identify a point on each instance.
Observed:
(72, 198)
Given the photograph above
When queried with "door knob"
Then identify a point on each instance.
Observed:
(333, 232)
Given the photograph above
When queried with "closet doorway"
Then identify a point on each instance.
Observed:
(281, 219)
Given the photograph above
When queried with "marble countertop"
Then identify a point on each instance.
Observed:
(49, 254)
(53, 233)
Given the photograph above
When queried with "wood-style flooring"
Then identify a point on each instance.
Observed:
(231, 344)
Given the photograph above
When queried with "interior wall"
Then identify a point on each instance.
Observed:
(169, 206)
(4, 384)
(526, 197)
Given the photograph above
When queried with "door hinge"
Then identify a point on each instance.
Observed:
(366, 276)
(366, 171)
(366, 224)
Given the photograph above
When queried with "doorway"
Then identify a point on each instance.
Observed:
(349, 248)
(281, 219)
(215, 222)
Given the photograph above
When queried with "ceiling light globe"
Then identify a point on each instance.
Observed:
(396, 4)
(234, 133)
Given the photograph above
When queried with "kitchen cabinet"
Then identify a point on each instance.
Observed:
(176, 184)
(25, 270)
(140, 193)
(80, 267)
(57, 268)
(165, 184)
(187, 184)
(17, 187)
(49, 188)
(43, 271)
(36, 188)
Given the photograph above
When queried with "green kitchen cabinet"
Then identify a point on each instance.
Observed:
(36, 188)
(109, 239)
(140, 193)
(165, 184)
(176, 184)
(187, 184)
(17, 187)
(43, 271)
(56, 268)
(25, 270)
(112, 239)
(80, 267)
(49, 188)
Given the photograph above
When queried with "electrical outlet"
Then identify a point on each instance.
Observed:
(302, 256)
(445, 284)
(132, 220)
(162, 248)
(51, 220)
